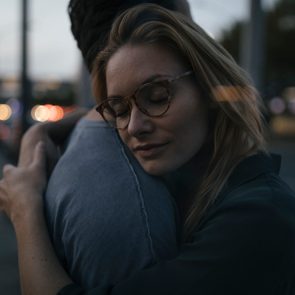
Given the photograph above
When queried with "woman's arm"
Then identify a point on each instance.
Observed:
(40, 270)
(21, 198)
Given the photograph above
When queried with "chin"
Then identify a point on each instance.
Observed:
(157, 169)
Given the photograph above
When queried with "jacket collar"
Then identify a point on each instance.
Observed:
(252, 167)
(248, 169)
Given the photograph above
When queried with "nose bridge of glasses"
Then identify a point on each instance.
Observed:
(136, 120)
(132, 102)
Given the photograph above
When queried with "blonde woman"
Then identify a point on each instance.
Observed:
(190, 116)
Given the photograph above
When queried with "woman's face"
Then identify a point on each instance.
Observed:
(160, 144)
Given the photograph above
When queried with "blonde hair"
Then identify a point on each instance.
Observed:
(237, 129)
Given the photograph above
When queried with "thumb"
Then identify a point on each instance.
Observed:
(39, 157)
(7, 169)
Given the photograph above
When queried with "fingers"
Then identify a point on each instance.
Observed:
(39, 158)
(7, 169)
(2, 195)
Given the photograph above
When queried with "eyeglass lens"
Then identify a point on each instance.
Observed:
(152, 99)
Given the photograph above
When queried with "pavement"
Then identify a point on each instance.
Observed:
(9, 279)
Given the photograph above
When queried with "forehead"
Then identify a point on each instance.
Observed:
(132, 65)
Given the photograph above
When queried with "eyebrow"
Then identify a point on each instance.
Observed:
(148, 80)
(153, 78)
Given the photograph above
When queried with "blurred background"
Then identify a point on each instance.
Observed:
(42, 77)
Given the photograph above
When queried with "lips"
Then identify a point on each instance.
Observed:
(149, 150)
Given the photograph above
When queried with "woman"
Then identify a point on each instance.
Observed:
(189, 115)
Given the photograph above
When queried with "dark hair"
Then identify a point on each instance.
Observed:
(91, 22)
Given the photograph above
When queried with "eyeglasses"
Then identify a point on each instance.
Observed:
(152, 99)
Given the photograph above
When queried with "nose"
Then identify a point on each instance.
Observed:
(139, 123)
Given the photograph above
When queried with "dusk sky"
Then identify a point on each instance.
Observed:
(53, 52)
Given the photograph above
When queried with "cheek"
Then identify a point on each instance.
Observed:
(123, 134)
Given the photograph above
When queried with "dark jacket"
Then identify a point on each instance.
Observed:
(244, 245)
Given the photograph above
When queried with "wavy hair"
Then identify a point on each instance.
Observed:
(237, 125)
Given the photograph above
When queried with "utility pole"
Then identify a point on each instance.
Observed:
(25, 85)
(252, 43)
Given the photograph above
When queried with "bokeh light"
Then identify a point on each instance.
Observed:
(277, 106)
(291, 106)
(5, 112)
(48, 112)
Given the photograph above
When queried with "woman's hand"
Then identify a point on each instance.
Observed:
(53, 134)
(21, 192)
(21, 188)
(37, 133)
